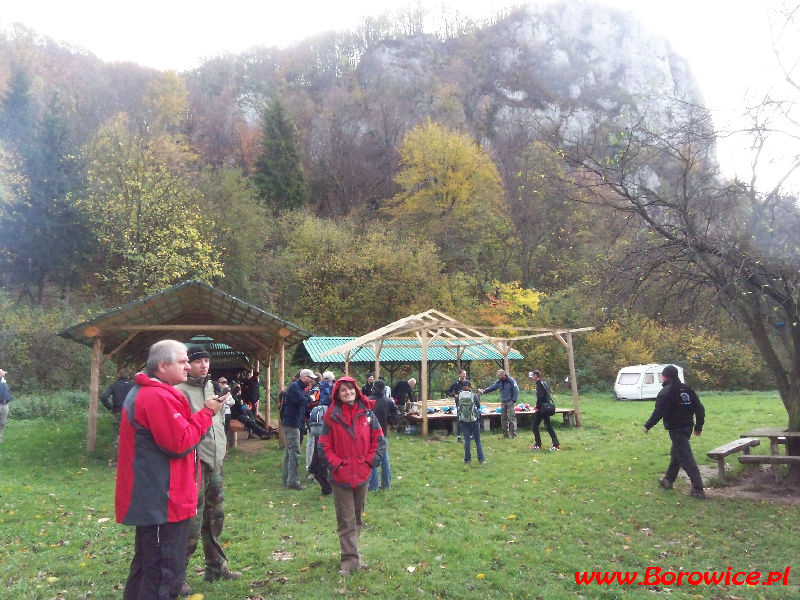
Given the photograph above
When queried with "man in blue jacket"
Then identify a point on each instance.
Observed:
(678, 404)
(509, 394)
(293, 420)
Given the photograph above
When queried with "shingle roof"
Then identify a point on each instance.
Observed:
(195, 308)
(402, 351)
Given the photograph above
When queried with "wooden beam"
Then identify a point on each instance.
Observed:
(94, 393)
(206, 326)
(424, 383)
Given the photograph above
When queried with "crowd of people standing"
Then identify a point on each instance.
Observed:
(171, 423)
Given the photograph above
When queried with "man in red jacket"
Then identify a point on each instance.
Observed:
(157, 472)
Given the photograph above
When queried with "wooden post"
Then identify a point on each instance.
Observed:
(424, 381)
(347, 364)
(94, 393)
(506, 350)
(268, 385)
(573, 380)
(377, 346)
(282, 382)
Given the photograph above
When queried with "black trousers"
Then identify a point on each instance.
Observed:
(537, 420)
(319, 469)
(158, 567)
(681, 457)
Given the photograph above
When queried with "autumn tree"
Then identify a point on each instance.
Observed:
(336, 278)
(229, 202)
(150, 229)
(451, 195)
(278, 175)
(703, 240)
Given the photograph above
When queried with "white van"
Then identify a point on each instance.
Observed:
(640, 382)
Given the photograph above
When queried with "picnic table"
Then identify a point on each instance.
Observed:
(776, 436)
(450, 420)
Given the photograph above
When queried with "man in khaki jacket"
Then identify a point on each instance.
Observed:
(207, 523)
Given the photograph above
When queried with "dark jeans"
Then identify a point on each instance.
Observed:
(537, 420)
(472, 430)
(250, 424)
(158, 567)
(681, 457)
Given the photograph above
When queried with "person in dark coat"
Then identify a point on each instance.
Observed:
(386, 412)
(542, 396)
(293, 419)
(678, 405)
(113, 397)
(403, 391)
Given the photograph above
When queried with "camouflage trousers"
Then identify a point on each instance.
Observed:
(206, 525)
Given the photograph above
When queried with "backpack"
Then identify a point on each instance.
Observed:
(315, 422)
(467, 411)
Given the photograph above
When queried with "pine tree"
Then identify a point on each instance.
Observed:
(279, 175)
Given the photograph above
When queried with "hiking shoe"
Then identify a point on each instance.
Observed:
(458, 439)
(534, 447)
(298, 486)
(225, 573)
(186, 589)
(555, 448)
(698, 493)
(483, 462)
(665, 483)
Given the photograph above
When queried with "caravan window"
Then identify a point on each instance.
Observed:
(649, 378)
(628, 378)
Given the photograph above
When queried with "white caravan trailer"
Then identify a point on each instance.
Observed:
(640, 382)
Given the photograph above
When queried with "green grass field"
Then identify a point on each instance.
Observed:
(518, 527)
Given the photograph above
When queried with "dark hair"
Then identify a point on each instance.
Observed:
(350, 385)
(537, 373)
(379, 386)
(124, 373)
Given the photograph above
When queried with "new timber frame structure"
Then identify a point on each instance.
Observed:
(243, 335)
(434, 327)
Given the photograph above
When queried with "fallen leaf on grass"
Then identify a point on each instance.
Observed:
(281, 555)
(411, 568)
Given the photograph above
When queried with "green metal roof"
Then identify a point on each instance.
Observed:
(403, 351)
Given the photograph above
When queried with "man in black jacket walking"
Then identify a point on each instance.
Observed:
(678, 404)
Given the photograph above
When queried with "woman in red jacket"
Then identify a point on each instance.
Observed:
(352, 442)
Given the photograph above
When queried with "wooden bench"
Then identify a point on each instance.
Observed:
(770, 459)
(740, 445)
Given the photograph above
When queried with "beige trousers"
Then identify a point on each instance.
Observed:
(349, 504)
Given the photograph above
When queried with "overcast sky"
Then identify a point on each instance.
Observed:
(727, 42)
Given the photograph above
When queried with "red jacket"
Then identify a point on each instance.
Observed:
(157, 468)
(352, 446)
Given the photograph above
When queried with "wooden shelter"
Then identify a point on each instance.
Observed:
(237, 331)
(434, 327)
